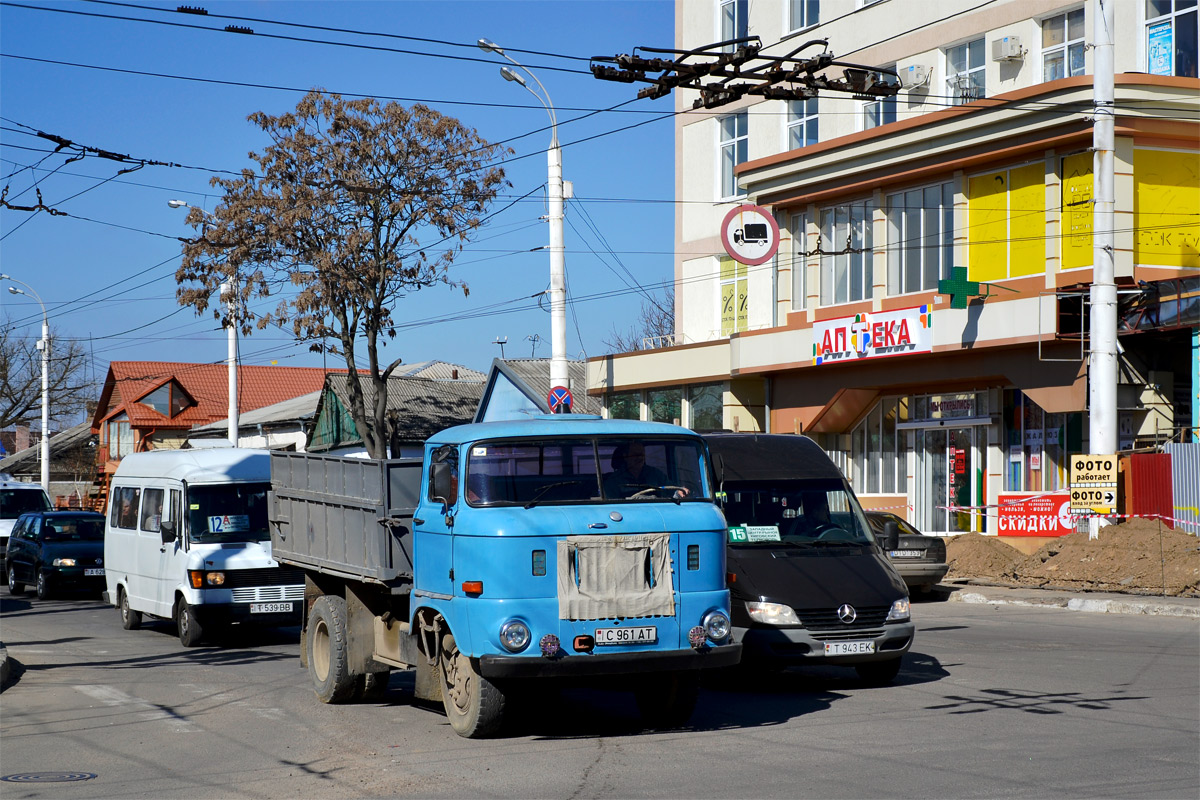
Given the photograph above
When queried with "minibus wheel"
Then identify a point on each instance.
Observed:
(668, 700)
(328, 656)
(130, 620)
(190, 630)
(474, 705)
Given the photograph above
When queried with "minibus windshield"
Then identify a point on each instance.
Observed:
(230, 512)
(815, 512)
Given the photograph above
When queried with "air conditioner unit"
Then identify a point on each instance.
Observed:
(913, 76)
(1007, 49)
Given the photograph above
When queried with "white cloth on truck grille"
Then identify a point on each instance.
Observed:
(601, 577)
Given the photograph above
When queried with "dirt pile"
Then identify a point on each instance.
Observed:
(1136, 557)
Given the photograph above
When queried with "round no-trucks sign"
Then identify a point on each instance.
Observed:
(750, 234)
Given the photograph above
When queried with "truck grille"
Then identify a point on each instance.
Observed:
(268, 594)
(851, 634)
(267, 576)
(826, 619)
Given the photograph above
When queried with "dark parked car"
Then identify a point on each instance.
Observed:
(920, 559)
(57, 550)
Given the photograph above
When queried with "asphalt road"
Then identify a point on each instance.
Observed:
(994, 701)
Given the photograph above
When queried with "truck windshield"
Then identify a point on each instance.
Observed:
(815, 512)
(231, 512)
(586, 470)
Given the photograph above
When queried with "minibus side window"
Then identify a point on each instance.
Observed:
(152, 506)
(125, 507)
(175, 511)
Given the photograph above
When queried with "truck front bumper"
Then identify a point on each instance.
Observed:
(534, 666)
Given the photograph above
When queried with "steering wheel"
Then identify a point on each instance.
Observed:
(646, 492)
(830, 531)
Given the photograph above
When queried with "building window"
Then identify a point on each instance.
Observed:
(625, 405)
(734, 144)
(878, 112)
(733, 21)
(803, 14)
(1172, 28)
(735, 305)
(665, 405)
(799, 262)
(706, 407)
(168, 399)
(880, 451)
(920, 238)
(1006, 223)
(801, 123)
(846, 258)
(1062, 45)
(120, 437)
(965, 73)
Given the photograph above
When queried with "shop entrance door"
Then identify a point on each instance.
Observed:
(948, 459)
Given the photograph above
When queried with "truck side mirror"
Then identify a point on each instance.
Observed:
(167, 531)
(891, 536)
(441, 482)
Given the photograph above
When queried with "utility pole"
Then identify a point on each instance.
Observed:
(44, 346)
(1102, 361)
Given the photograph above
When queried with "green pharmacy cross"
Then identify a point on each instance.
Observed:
(958, 287)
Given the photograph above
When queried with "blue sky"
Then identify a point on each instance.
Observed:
(106, 272)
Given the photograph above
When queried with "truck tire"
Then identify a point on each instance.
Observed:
(668, 700)
(328, 654)
(189, 628)
(130, 620)
(474, 705)
(14, 585)
(371, 687)
(878, 673)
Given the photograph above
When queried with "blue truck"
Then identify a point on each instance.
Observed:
(509, 555)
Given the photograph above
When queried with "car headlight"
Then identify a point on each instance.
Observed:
(772, 613)
(716, 625)
(899, 611)
(63, 562)
(514, 635)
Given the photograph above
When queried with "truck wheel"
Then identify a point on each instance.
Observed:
(878, 673)
(371, 686)
(130, 620)
(43, 586)
(474, 705)
(667, 701)
(328, 662)
(14, 585)
(190, 630)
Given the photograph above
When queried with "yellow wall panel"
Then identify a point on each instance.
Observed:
(987, 220)
(1027, 220)
(1166, 208)
(1077, 211)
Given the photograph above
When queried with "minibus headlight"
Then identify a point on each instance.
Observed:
(214, 578)
(899, 611)
(771, 613)
(63, 562)
(200, 579)
(716, 625)
(514, 635)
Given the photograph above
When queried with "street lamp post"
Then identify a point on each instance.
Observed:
(558, 280)
(227, 289)
(43, 345)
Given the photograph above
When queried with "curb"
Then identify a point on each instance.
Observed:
(1100, 605)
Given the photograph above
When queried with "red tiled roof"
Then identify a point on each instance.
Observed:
(207, 384)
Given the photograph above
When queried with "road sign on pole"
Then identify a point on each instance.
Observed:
(1094, 484)
(750, 234)
(560, 400)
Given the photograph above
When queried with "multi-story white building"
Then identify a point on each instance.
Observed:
(983, 162)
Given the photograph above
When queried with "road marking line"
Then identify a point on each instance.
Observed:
(145, 710)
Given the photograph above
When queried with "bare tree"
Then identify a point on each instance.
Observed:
(655, 326)
(354, 205)
(21, 378)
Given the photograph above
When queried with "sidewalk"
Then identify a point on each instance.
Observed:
(1099, 602)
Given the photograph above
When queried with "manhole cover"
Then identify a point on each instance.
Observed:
(47, 777)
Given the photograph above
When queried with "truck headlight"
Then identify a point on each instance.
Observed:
(716, 625)
(899, 611)
(63, 562)
(771, 613)
(514, 635)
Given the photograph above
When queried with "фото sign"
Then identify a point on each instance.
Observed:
(1094, 483)
(1035, 515)
(876, 335)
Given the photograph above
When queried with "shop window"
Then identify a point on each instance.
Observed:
(920, 238)
(880, 451)
(803, 14)
(1062, 45)
(706, 407)
(802, 123)
(735, 305)
(625, 405)
(665, 405)
(734, 146)
(1006, 223)
(1172, 28)
(965, 73)
(799, 229)
(846, 257)
(1037, 445)
(733, 21)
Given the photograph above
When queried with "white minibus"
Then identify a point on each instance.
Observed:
(186, 539)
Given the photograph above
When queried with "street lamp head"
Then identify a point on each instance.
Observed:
(14, 290)
(488, 46)
(177, 204)
(510, 74)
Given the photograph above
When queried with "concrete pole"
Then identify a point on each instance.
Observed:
(1102, 364)
(227, 288)
(43, 345)
(558, 274)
